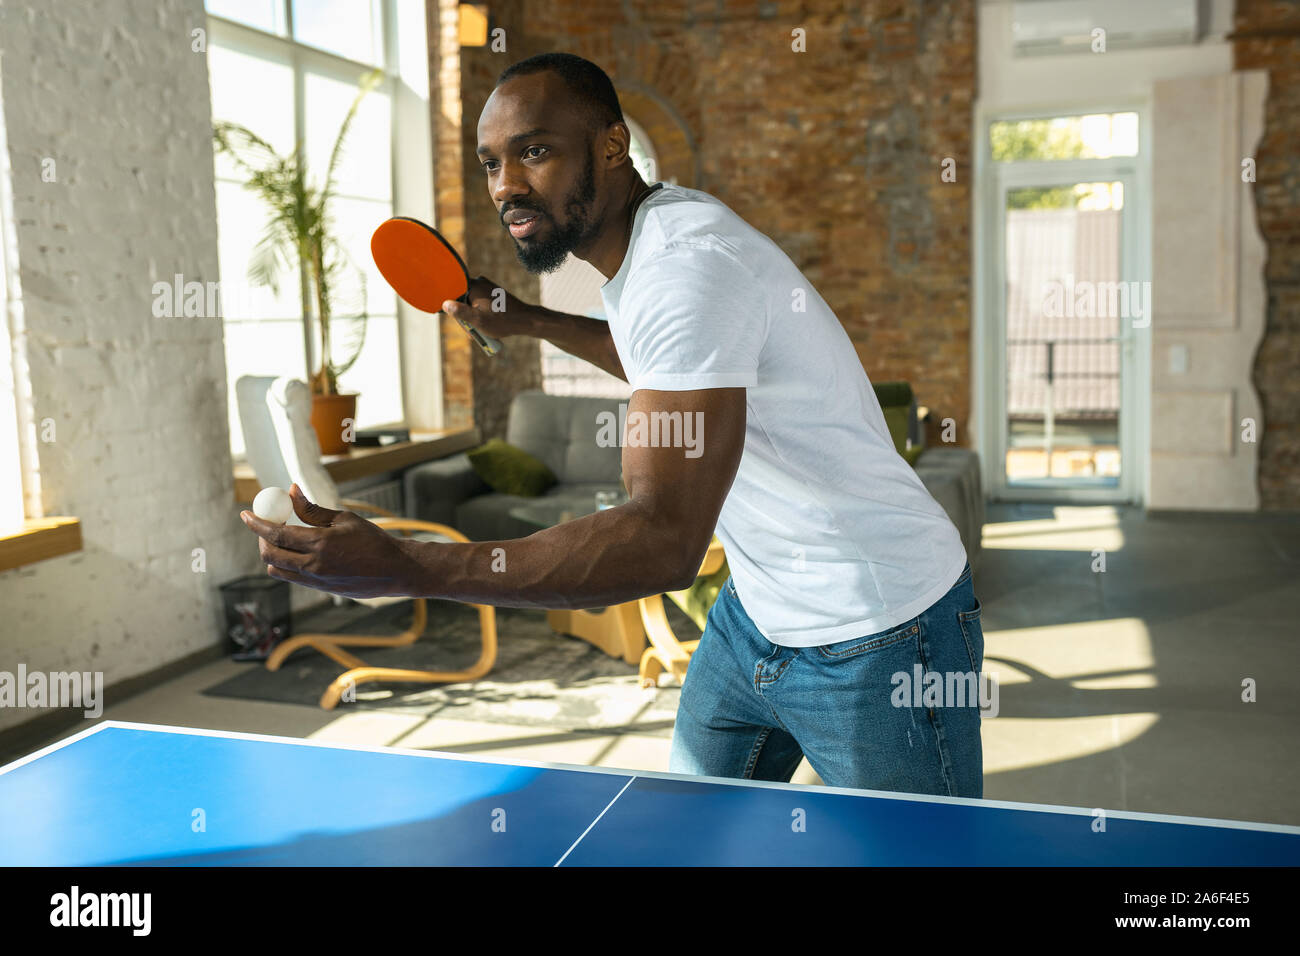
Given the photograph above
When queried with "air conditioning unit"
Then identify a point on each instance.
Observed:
(1047, 27)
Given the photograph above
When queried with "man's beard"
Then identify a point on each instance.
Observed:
(547, 255)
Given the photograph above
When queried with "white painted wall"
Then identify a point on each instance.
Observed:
(1209, 294)
(1072, 83)
(113, 93)
(1084, 79)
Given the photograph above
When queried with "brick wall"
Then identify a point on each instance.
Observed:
(449, 196)
(107, 115)
(489, 251)
(835, 153)
(1267, 37)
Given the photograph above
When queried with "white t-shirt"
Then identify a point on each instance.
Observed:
(829, 532)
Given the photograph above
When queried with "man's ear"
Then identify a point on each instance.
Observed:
(618, 142)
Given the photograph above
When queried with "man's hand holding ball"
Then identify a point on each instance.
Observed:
(339, 552)
(273, 505)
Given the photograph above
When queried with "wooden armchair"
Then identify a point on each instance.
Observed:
(666, 652)
(358, 671)
(282, 449)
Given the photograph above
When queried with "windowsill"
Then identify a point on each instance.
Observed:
(364, 461)
(242, 459)
(39, 539)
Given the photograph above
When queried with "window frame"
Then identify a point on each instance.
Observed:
(303, 57)
(988, 372)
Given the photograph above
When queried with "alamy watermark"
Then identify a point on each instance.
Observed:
(182, 298)
(651, 430)
(923, 688)
(1086, 299)
(77, 908)
(55, 689)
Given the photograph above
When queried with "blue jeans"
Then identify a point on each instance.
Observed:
(752, 709)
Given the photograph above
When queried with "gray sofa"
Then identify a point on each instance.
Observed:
(558, 429)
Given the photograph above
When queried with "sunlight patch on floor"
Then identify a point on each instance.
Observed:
(1072, 528)
(1071, 652)
(1017, 743)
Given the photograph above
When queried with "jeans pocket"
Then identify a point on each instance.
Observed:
(972, 633)
(856, 646)
(731, 587)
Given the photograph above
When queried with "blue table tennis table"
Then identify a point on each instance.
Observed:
(132, 794)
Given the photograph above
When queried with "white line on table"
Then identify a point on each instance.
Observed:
(595, 821)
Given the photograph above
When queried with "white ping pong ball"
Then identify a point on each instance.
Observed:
(273, 505)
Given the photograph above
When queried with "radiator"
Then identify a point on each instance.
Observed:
(387, 495)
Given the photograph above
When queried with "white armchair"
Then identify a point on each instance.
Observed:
(282, 449)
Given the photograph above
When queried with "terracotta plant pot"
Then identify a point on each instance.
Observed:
(330, 414)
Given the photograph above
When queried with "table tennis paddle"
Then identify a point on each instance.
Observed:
(424, 269)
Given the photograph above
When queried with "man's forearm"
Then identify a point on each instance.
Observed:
(587, 338)
(607, 558)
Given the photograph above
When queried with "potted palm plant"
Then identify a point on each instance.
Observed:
(300, 234)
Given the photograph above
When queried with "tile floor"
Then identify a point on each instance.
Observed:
(1119, 688)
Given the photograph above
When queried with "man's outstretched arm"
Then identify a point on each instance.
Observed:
(650, 545)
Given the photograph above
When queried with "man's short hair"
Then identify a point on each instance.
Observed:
(592, 91)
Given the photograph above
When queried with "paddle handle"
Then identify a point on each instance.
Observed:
(488, 344)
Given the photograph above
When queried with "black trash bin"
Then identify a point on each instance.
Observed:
(257, 616)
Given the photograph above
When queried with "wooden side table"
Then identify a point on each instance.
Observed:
(615, 630)
(364, 461)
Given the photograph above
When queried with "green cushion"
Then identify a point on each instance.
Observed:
(893, 393)
(511, 470)
(896, 418)
(699, 597)
(896, 402)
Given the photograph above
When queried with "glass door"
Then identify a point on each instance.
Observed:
(1068, 298)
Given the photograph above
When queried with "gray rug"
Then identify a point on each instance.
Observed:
(541, 679)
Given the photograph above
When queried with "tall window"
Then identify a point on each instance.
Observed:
(289, 70)
(575, 288)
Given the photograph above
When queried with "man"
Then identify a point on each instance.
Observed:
(848, 579)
